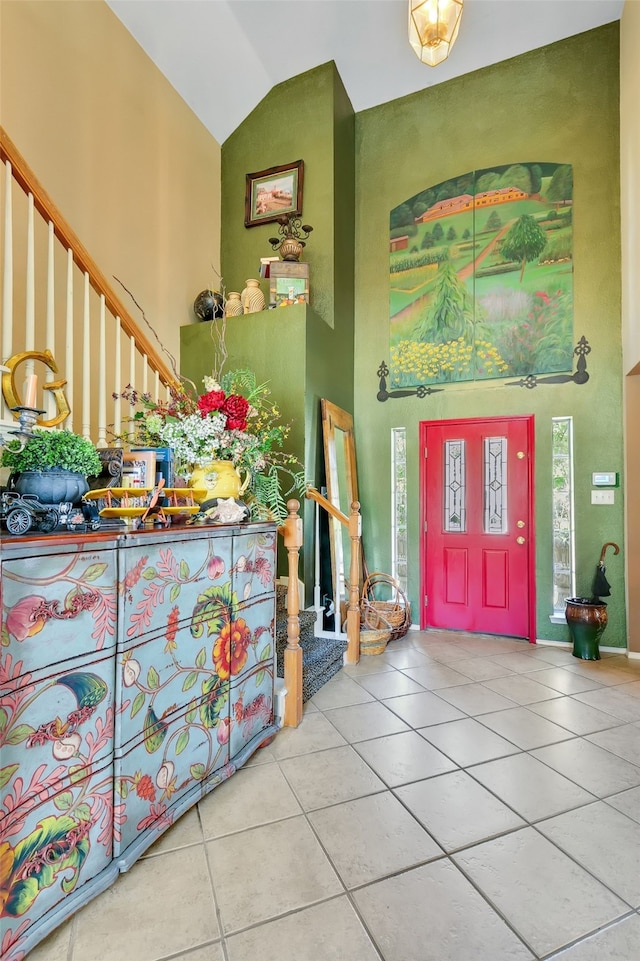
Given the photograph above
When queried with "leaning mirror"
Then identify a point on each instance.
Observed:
(342, 489)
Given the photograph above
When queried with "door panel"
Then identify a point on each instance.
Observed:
(476, 500)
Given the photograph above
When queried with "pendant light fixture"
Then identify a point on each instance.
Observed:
(433, 28)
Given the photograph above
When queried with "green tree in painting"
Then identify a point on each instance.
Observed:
(561, 185)
(494, 221)
(517, 175)
(467, 234)
(438, 232)
(451, 234)
(451, 315)
(401, 216)
(427, 241)
(524, 242)
(487, 181)
(536, 178)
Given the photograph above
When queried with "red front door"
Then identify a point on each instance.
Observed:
(477, 525)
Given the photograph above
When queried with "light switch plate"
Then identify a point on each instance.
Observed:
(603, 497)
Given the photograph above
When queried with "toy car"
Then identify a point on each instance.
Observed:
(79, 517)
(24, 512)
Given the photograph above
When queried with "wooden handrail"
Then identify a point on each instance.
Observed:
(30, 184)
(354, 524)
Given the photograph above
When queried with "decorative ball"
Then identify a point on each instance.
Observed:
(208, 305)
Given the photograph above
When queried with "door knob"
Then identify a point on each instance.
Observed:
(520, 454)
(520, 540)
(520, 524)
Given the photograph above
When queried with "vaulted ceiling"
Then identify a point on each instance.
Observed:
(223, 56)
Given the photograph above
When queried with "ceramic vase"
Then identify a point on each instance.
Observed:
(586, 620)
(234, 305)
(217, 479)
(252, 297)
(52, 486)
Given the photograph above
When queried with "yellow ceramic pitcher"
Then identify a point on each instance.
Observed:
(220, 478)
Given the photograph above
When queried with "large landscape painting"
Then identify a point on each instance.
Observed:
(481, 277)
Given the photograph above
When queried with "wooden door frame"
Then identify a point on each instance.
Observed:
(529, 420)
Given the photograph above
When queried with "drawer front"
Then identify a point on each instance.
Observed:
(254, 563)
(251, 635)
(163, 587)
(251, 706)
(64, 601)
(176, 757)
(55, 724)
(54, 848)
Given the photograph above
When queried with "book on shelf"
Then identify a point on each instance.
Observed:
(265, 266)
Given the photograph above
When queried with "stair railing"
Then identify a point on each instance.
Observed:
(292, 534)
(97, 343)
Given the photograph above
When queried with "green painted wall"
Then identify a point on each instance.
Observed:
(559, 103)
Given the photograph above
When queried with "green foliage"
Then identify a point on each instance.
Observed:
(487, 181)
(51, 450)
(411, 261)
(438, 232)
(536, 178)
(268, 497)
(524, 242)
(494, 221)
(517, 175)
(451, 234)
(410, 230)
(401, 215)
(561, 185)
(427, 241)
(451, 316)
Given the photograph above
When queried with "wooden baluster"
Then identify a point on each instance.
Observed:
(353, 611)
(69, 338)
(7, 278)
(145, 374)
(132, 361)
(86, 362)
(102, 375)
(50, 323)
(30, 301)
(293, 651)
(117, 388)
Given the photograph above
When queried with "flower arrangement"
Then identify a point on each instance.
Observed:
(233, 420)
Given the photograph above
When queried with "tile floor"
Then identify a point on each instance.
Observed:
(459, 798)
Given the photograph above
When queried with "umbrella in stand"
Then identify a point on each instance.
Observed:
(601, 587)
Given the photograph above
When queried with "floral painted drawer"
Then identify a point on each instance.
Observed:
(64, 601)
(222, 640)
(171, 760)
(48, 855)
(162, 586)
(254, 563)
(251, 708)
(56, 724)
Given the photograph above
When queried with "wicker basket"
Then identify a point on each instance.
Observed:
(384, 612)
(374, 642)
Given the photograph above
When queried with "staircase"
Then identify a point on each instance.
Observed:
(322, 657)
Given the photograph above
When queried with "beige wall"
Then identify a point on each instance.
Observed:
(630, 210)
(120, 153)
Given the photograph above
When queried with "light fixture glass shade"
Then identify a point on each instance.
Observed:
(433, 28)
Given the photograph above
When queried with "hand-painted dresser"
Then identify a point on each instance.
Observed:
(136, 674)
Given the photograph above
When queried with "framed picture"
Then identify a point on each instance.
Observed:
(271, 193)
(288, 283)
(138, 469)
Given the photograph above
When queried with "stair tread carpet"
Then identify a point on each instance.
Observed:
(322, 657)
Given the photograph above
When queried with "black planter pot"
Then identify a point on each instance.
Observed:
(586, 620)
(52, 486)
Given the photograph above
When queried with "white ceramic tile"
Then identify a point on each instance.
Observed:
(519, 663)
(623, 741)
(524, 728)
(314, 733)
(475, 699)
(433, 913)
(184, 832)
(601, 671)
(521, 688)
(269, 871)
(590, 766)
(529, 787)
(567, 682)
(611, 701)
(372, 837)
(628, 802)
(403, 656)
(261, 793)
(605, 842)
(548, 898)
(420, 710)
(55, 947)
(325, 932)
(457, 810)
(161, 906)
(329, 777)
(390, 685)
(481, 668)
(618, 942)
(338, 692)
(575, 716)
(363, 721)
(436, 676)
(468, 742)
(401, 758)
(209, 952)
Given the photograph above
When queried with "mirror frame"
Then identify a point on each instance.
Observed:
(335, 419)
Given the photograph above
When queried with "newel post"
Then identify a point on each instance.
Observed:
(353, 611)
(293, 651)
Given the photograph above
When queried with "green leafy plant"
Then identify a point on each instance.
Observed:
(48, 450)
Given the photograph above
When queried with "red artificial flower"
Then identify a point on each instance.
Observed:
(211, 402)
(236, 408)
